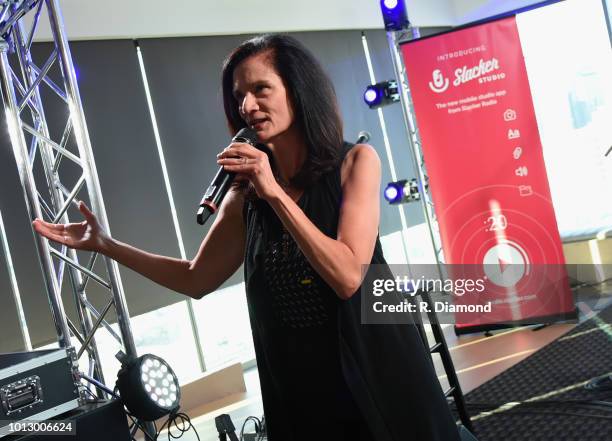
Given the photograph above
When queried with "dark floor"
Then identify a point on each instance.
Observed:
(545, 397)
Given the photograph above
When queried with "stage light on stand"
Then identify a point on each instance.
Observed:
(392, 192)
(394, 14)
(148, 387)
(381, 94)
(370, 96)
(403, 191)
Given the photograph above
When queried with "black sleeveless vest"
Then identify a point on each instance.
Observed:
(321, 371)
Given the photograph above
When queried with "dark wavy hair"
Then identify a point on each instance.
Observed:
(311, 93)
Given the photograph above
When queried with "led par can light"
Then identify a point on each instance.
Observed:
(403, 191)
(148, 387)
(395, 15)
(381, 94)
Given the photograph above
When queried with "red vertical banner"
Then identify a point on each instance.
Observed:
(486, 170)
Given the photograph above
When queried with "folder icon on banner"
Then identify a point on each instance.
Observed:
(525, 190)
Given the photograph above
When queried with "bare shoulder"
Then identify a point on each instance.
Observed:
(361, 157)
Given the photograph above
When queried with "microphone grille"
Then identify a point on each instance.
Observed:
(246, 135)
(363, 136)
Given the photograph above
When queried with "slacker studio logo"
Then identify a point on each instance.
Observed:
(486, 71)
(439, 83)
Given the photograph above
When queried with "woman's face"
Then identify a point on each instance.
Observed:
(262, 99)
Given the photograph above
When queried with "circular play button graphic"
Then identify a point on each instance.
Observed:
(505, 263)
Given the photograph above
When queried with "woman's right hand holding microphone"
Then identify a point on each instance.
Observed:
(86, 235)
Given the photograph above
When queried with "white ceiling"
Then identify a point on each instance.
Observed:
(108, 19)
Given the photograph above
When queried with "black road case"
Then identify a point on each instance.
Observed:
(37, 385)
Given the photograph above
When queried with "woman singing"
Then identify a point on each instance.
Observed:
(303, 219)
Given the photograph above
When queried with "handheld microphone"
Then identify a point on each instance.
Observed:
(363, 136)
(214, 194)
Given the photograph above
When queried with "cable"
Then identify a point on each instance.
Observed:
(174, 417)
(544, 403)
(257, 423)
(142, 429)
(590, 284)
(519, 408)
(260, 437)
(586, 415)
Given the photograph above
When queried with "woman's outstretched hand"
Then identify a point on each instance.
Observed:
(86, 235)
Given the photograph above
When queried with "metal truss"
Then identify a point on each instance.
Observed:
(414, 139)
(47, 159)
(440, 347)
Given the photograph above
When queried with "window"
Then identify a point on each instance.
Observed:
(224, 327)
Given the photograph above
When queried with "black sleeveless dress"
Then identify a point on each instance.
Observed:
(323, 374)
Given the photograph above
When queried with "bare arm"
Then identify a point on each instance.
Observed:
(220, 253)
(339, 261)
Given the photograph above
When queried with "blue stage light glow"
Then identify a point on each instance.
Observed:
(391, 193)
(370, 95)
(381, 94)
(390, 4)
(395, 15)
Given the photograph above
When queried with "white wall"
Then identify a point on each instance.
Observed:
(466, 11)
(95, 19)
(108, 19)
(425, 13)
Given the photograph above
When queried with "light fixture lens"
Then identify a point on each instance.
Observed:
(370, 96)
(391, 193)
(395, 15)
(145, 385)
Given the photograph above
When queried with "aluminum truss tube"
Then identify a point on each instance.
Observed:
(23, 325)
(20, 150)
(94, 359)
(406, 104)
(32, 82)
(89, 169)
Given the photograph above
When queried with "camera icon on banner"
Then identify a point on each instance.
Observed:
(509, 115)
